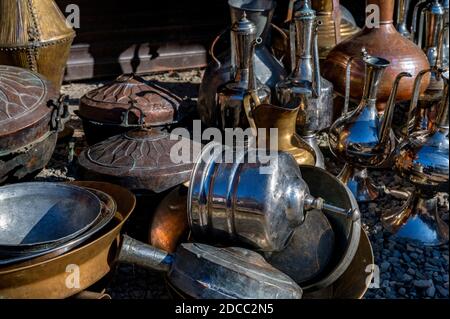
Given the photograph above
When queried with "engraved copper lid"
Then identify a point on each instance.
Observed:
(139, 160)
(25, 107)
(108, 104)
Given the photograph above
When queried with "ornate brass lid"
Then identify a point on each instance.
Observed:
(25, 112)
(139, 160)
(108, 104)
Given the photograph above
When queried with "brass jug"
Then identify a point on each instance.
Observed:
(362, 138)
(283, 119)
(34, 35)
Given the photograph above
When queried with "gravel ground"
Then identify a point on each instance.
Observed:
(405, 271)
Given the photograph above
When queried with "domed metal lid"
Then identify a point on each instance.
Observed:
(108, 104)
(139, 159)
(244, 26)
(25, 107)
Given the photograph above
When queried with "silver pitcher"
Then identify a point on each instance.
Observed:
(362, 138)
(422, 159)
(305, 87)
(231, 95)
(268, 69)
(241, 195)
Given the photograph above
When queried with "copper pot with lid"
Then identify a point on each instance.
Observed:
(383, 41)
(103, 109)
(31, 113)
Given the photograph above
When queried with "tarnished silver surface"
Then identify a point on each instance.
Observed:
(363, 138)
(305, 87)
(259, 203)
(422, 159)
(206, 272)
(38, 214)
(230, 96)
(268, 70)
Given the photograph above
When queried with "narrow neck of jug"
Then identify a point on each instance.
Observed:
(443, 120)
(374, 71)
(386, 9)
(243, 35)
(402, 12)
(304, 22)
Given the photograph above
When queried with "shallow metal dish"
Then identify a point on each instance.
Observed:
(109, 209)
(39, 216)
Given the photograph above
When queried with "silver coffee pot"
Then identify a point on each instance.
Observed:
(247, 196)
(305, 87)
(231, 95)
(422, 159)
(363, 138)
(268, 69)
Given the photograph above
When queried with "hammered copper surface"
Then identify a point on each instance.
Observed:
(170, 224)
(138, 160)
(48, 279)
(108, 103)
(34, 35)
(404, 55)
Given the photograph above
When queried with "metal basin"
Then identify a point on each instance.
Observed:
(37, 216)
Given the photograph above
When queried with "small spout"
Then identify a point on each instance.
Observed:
(389, 111)
(348, 74)
(440, 49)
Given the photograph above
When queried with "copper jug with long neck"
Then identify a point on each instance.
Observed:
(363, 138)
(383, 40)
(221, 69)
(305, 88)
(422, 159)
(230, 96)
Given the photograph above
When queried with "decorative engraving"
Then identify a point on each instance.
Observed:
(21, 92)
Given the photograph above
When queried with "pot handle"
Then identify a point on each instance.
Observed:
(140, 254)
(213, 46)
(283, 35)
(60, 114)
(348, 73)
(126, 115)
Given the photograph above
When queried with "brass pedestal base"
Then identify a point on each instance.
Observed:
(359, 182)
(418, 222)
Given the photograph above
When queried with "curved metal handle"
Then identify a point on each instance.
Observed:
(60, 114)
(440, 49)
(126, 115)
(414, 19)
(284, 36)
(415, 100)
(348, 73)
(213, 46)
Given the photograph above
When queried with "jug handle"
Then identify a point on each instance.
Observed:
(283, 34)
(348, 72)
(414, 20)
(213, 46)
(440, 49)
(414, 100)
